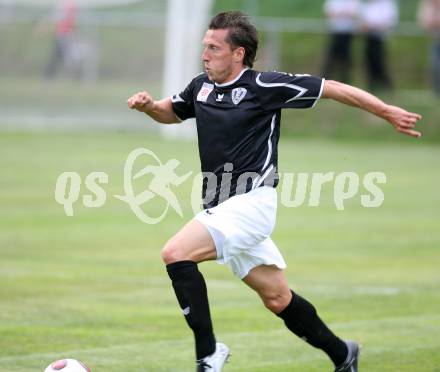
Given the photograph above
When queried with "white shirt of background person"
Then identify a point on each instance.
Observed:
(379, 15)
(342, 15)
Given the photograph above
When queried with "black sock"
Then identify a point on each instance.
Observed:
(301, 318)
(191, 292)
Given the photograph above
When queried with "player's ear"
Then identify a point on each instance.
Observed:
(239, 54)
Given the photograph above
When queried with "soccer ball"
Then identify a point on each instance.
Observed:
(67, 365)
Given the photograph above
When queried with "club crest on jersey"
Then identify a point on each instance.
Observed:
(238, 94)
(203, 94)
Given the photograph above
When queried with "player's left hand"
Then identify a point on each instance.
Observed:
(402, 120)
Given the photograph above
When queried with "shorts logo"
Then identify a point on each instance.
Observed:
(238, 94)
(203, 94)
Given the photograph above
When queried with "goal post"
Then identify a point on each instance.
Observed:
(186, 23)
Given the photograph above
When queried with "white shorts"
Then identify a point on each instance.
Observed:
(241, 228)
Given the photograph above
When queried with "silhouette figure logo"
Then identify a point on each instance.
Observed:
(163, 177)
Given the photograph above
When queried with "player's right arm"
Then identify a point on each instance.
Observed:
(161, 111)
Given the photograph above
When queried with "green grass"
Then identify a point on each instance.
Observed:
(92, 286)
(24, 103)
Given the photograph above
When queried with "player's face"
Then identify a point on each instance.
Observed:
(221, 62)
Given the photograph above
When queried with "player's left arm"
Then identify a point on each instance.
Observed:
(402, 120)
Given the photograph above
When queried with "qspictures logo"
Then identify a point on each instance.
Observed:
(295, 189)
(164, 176)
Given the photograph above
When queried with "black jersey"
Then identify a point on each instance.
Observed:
(238, 126)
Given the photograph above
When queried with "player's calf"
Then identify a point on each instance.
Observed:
(191, 292)
(301, 318)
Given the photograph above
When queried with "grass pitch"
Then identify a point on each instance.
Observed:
(93, 287)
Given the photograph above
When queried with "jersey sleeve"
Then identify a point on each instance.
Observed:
(279, 90)
(183, 103)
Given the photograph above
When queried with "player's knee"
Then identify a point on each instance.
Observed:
(276, 302)
(171, 252)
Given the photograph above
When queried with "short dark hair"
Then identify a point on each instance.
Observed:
(241, 33)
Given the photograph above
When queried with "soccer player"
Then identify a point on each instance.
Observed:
(237, 110)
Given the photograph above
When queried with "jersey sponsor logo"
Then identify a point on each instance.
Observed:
(204, 92)
(238, 94)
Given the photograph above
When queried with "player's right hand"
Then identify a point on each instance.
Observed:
(141, 101)
(402, 120)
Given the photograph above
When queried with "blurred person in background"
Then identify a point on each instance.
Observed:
(65, 18)
(7, 8)
(378, 17)
(429, 19)
(342, 18)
